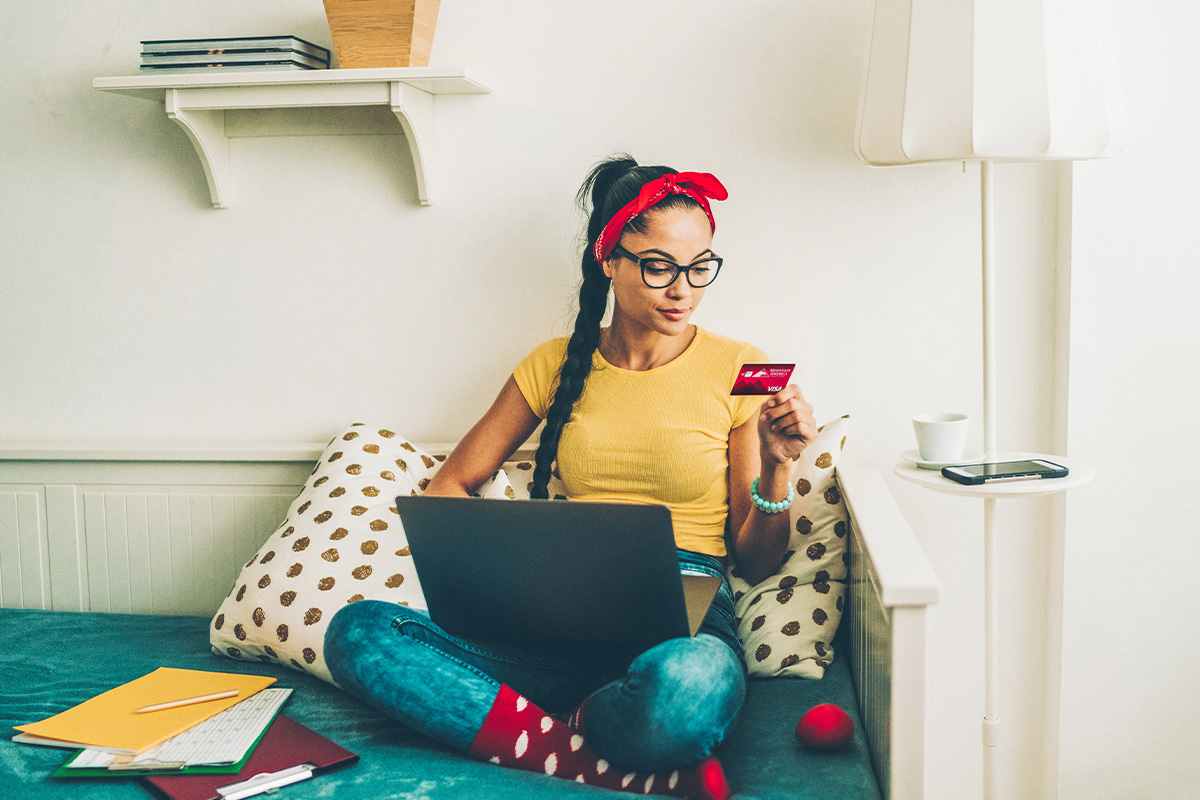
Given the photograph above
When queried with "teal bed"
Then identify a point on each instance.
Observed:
(113, 560)
(52, 660)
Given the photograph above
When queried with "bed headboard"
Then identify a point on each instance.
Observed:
(891, 583)
(166, 530)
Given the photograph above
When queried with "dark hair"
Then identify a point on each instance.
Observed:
(612, 184)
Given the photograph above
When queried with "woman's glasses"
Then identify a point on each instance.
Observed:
(659, 273)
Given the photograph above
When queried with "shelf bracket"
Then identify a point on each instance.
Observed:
(205, 128)
(198, 103)
(414, 109)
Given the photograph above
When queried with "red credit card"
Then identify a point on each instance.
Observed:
(762, 378)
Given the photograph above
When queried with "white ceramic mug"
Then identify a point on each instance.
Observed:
(941, 437)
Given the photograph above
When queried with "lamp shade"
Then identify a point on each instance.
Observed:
(1004, 80)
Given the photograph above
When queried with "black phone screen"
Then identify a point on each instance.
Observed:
(1008, 468)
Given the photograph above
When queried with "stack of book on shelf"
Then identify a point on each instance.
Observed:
(247, 53)
(189, 735)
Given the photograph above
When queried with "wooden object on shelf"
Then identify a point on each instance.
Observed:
(214, 106)
(382, 33)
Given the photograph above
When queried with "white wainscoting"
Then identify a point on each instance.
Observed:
(150, 532)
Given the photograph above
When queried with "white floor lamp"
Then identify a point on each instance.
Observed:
(985, 81)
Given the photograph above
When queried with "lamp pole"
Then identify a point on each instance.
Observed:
(991, 604)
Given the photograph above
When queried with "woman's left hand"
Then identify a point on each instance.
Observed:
(786, 425)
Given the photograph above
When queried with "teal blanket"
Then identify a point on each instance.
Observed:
(50, 661)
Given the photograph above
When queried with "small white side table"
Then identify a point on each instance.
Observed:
(1078, 474)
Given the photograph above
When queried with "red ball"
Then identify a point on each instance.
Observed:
(825, 727)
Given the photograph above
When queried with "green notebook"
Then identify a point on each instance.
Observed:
(205, 748)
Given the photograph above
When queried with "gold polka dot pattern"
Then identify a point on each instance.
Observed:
(343, 542)
(789, 634)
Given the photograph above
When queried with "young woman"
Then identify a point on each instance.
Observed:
(639, 411)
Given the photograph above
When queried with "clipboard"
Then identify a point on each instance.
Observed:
(286, 746)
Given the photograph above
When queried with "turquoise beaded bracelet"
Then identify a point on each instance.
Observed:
(768, 507)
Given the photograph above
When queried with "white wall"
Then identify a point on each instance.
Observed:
(131, 310)
(1131, 611)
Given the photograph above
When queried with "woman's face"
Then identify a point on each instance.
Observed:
(681, 235)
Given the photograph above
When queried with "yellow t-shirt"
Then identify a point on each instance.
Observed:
(655, 436)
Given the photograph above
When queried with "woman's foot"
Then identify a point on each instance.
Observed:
(516, 733)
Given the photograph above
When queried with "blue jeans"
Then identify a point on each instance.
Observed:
(671, 706)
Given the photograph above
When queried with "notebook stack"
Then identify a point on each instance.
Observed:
(247, 53)
(190, 734)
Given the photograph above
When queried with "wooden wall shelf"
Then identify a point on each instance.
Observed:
(209, 105)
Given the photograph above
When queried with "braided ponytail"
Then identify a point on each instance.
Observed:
(611, 184)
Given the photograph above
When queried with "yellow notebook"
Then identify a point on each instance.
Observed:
(108, 719)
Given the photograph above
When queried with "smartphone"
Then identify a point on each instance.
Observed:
(1004, 471)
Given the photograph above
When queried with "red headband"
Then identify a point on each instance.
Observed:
(697, 185)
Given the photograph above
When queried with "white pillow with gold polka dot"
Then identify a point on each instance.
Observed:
(787, 622)
(520, 475)
(341, 542)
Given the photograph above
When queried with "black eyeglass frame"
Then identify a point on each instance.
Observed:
(686, 269)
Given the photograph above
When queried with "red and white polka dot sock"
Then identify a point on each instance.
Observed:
(516, 733)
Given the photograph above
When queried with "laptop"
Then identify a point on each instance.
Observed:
(604, 575)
